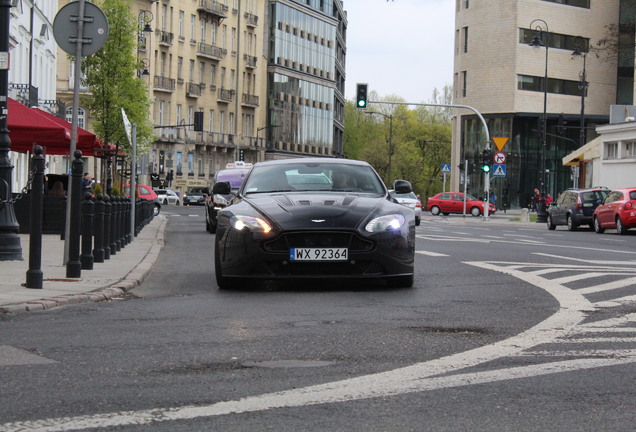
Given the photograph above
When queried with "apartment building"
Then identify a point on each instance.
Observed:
(497, 72)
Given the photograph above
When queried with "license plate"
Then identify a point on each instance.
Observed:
(318, 254)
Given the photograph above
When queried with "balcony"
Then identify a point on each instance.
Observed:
(251, 19)
(250, 61)
(193, 89)
(26, 94)
(213, 8)
(225, 95)
(249, 100)
(165, 84)
(210, 51)
(165, 38)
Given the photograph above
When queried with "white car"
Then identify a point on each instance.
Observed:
(168, 196)
(409, 200)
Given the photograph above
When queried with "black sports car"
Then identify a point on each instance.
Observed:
(314, 218)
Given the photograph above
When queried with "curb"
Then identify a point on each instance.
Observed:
(133, 279)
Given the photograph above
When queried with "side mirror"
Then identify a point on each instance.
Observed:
(402, 186)
(222, 188)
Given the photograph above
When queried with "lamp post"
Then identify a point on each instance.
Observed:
(541, 27)
(143, 26)
(581, 50)
(10, 248)
(391, 150)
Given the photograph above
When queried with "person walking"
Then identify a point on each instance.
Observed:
(87, 184)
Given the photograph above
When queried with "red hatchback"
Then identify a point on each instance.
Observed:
(453, 202)
(617, 211)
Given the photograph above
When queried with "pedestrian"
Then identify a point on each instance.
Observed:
(536, 200)
(548, 200)
(493, 198)
(87, 184)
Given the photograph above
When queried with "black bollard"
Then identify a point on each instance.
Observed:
(113, 224)
(122, 222)
(98, 228)
(34, 275)
(74, 266)
(107, 221)
(129, 237)
(88, 208)
(118, 223)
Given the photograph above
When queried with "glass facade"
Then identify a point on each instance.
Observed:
(302, 87)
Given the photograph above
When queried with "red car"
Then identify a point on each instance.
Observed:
(146, 192)
(617, 211)
(453, 202)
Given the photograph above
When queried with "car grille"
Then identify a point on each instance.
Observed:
(319, 239)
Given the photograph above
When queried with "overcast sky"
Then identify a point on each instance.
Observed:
(400, 47)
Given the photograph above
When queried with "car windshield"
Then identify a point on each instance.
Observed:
(409, 195)
(235, 177)
(312, 176)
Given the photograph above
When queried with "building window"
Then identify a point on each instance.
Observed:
(464, 82)
(465, 39)
(556, 86)
(553, 40)
(181, 24)
(81, 116)
(611, 150)
(630, 149)
(179, 163)
(577, 3)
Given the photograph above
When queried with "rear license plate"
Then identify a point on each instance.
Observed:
(318, 254)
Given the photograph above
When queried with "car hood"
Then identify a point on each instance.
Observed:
(302, 210)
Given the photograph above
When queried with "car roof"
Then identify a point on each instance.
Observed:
(313, 160)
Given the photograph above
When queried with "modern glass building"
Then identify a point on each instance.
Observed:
(305, 79)
(515, 86)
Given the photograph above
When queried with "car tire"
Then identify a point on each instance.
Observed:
(551, 225)
(418, 221)
(223, 282)
(475, 211)
(597, 226)
(435, 211)
(156, 209)
(401, 281)
(570, 223)
(621, 229)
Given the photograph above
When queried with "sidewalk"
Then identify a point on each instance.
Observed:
(122, 272)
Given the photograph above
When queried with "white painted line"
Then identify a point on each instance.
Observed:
(580, 276)
(433, 254)
(623, 283)
(617, 302)
(595, 261)
(599, 340)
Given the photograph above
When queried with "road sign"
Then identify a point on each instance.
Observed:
(499, 170)
(445, 168)
(500, 158)
(95, 28)
(500, 142)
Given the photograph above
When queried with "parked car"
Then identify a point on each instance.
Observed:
(168, 196)
(277, 227)
(453, 202)
(234, 173)
(195, 196)
(146, 192)
(409, 200)
(575, 207)
(617, 211)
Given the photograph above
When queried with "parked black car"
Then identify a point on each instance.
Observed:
(195, 196)
(575, 207)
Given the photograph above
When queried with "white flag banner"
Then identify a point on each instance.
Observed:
(127, 126)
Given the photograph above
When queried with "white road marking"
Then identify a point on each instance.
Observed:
(608, 286)
(12, 356)
(594, 261)
(433, 254)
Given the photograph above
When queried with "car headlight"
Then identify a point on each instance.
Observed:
(384, 223)
(219, 200)
(240, 222)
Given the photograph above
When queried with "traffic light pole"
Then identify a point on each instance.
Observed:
(483, 122)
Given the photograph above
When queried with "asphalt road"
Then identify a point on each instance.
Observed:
(508, 327)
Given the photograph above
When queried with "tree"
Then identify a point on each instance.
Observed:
(111, 77)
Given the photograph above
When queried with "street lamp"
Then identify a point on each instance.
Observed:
(143, 26)
(581, 50)
(539, 40)
(391, 150)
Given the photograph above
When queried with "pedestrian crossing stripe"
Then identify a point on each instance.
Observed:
(500, 170)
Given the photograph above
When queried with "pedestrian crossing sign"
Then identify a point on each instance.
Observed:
(445, 168)
(499, 170)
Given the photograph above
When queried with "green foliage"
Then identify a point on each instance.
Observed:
(420, 138)
(116, 191)
(98, 189)
(111, 77)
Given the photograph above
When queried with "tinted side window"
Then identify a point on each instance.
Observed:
(445, 196)
(614, 196)
(632, 195)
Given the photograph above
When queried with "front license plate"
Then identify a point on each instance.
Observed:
(318, 254)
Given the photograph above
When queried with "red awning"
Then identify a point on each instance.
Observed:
(85, 139)
(31, 126)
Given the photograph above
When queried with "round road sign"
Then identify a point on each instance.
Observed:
(500, 158)
(95, 28)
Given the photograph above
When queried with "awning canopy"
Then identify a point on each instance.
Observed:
(31, 126)
(589, 151)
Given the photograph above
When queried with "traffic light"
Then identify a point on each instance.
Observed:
(361, 96)
(562, 125)
(485, 160)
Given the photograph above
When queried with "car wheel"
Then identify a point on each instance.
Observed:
(475, 211)
(551, 226)
(157, 209)
(571, 225)
(401, 281)
(223, 282)
(621, 229)
(435, 211)
(418, 221)
(597, 226)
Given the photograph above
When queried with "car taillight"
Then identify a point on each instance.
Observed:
(628, 205)
(418, 204)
